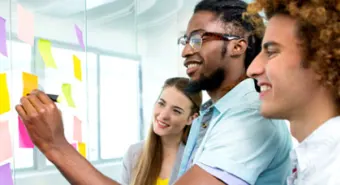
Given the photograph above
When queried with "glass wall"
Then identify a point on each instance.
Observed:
(107, 59)
(83, 51)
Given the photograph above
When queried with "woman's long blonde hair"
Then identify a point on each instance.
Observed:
(149, 162)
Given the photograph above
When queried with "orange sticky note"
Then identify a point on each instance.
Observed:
(25, 25)
(77, 68)
(82, 149)
(4, 94)
(77, 131)
(5, 142)
(44, 47)
(30, 82)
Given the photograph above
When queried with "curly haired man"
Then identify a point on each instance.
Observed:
(298, 71)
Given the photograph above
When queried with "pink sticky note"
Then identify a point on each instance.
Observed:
(79, 34)
(3, 45)
(74, 145)
(24, 138)
(6, 175)
(77, 131)
(25, 25)
(5, 142)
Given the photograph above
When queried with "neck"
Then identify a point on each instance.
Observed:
(170, 143)
(228, 84)
(319, 109)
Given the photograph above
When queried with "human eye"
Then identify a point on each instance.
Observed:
(178, 112)
(271, 52)
(195, 42)
(161, 103)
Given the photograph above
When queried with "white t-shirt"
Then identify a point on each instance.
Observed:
(317, 159)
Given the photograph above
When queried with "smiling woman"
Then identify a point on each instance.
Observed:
(156, 160)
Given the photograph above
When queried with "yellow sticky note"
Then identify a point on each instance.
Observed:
(45, 52)
(77, 67)
(30, 82)
(67, 91)
(4, 94)
(82, 149)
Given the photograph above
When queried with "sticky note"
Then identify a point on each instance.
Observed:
(82, 149)
(4, 98)
(60, 99)
(77, 131)
(5, 142)
(46, 53)
(77, 67)
(67, 91)
(79, 34)
(30, 82)
(6, 175)
(25, 25)
(24, 138)
(74, 145)
(3, 45)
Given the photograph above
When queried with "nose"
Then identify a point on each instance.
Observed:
(187, 50)
(256, 68)
(164, 115)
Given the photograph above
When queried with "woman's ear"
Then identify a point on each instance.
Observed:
(192, 117)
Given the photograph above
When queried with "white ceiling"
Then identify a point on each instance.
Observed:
(116, 14)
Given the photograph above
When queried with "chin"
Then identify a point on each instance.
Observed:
(195, 77)
(158, 132)
(270, 112)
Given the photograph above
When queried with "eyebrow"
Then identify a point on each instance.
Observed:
(270, 43)
(173, 106)
(194, 31)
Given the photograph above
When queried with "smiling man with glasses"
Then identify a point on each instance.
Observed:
(230, 143)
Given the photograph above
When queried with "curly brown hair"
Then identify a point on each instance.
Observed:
(318, 30)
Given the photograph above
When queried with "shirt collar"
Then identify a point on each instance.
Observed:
(233, 97)
(319, 141)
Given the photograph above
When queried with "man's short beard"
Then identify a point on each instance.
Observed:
(208, 83)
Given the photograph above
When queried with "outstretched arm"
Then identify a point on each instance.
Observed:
(76, 169)
(44, 124)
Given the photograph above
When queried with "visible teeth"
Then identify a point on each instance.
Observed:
(192, 65)
(265, 88)
(162, 124)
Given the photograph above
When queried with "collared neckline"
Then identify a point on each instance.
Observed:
(322, 137)
(232, 97)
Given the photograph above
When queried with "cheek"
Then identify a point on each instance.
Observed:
(279, 70)
(156, 110)
(282, 73)
(179, 123)
(211, 58)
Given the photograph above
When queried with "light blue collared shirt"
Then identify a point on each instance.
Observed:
(239, 146)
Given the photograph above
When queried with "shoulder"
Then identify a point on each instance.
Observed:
(131, 156)
(247, 126)
(134, 150)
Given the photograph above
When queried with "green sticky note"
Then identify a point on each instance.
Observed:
(46, 53)
(67, 91)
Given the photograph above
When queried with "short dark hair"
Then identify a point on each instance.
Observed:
(234, 11)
